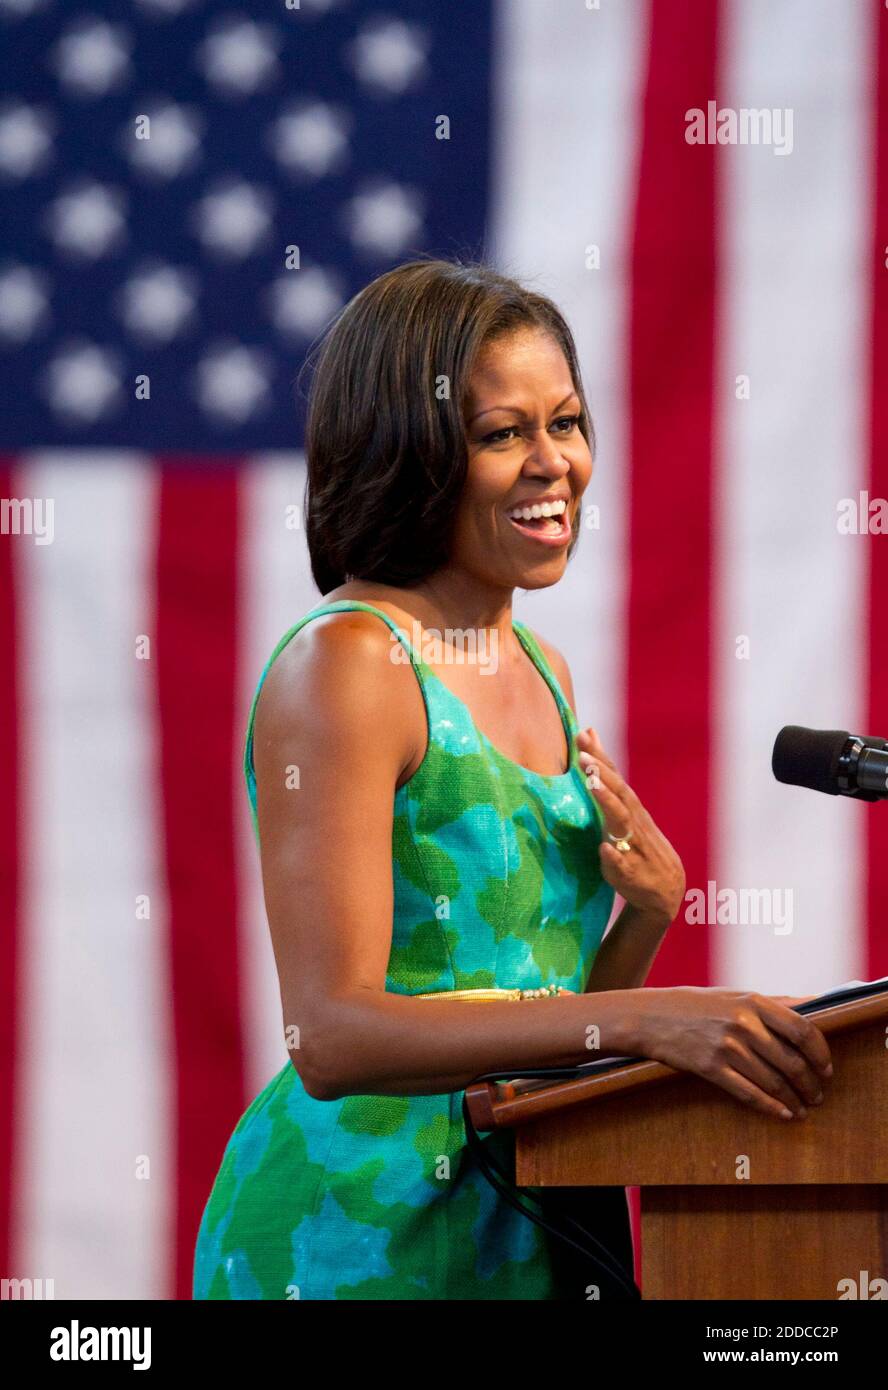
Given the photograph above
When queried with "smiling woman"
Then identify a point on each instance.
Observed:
(521, 375)
(439, 876)
(431, 366)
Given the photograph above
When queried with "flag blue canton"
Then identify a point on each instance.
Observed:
(191, 191)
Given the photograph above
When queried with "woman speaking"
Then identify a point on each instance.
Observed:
(440, 844)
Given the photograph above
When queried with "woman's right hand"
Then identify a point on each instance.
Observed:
(752, 1045)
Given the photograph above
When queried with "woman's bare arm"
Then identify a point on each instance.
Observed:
(337, 708)
(626, 955)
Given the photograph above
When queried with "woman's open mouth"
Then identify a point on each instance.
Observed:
(548, 524)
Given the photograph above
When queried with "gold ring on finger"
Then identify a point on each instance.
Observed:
(621, 842)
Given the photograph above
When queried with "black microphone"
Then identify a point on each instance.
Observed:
(832, 761)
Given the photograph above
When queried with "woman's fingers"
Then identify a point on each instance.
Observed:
(780, 1058)
(799, 1031)
(783, 1072)
(592, 751)
(781, 1050)
(614, 796)
(750, 1094)
(617, 816)
(588, 739)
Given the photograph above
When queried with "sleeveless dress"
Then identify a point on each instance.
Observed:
(496, 883)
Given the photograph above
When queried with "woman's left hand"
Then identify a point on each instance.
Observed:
(650, 876)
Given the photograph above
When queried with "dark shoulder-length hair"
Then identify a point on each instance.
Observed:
(385, 442)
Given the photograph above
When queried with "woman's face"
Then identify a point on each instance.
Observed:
(525, 451)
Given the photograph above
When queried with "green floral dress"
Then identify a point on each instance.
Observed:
(496, 883)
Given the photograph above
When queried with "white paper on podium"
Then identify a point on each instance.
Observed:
(852, 984)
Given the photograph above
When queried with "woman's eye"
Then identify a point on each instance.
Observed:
(500, 436)
(570, 421)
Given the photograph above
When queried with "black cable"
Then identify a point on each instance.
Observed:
(609, 1271)
(589, 1246)
(503, 1184)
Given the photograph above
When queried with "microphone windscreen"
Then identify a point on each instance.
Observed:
(809, 757)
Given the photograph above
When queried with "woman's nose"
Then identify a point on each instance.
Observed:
(546, 452)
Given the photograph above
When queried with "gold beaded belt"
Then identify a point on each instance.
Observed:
(482, 996)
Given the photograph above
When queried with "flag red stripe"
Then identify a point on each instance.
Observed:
(877, 546)
(195, 652)
(9, 878)
(672, 332)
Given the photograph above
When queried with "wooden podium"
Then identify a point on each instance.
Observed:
(734, 1204)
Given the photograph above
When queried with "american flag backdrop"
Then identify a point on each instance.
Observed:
(190, 191)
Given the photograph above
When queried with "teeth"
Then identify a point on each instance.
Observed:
(539, 509)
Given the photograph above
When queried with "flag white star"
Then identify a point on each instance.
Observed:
(232, 219)
(388, 55)
(92, 58)
(157, 301)
(240, 57)
(25, 139)
(82, 383)
(302, 302)
(23, 302)
(166, 9)
(231, 383)
(319, 7)
(311, 138)
(172, 142)
(20, 9)
(384, 218)
(87, 221)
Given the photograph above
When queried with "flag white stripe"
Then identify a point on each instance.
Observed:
(276, 589)
(563, 186)
(97, 1058)
(793, 301)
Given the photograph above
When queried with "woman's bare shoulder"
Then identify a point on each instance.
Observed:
(340, 676)
(559, 667)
